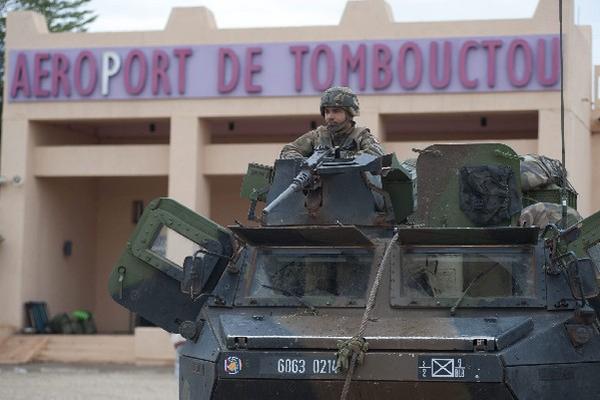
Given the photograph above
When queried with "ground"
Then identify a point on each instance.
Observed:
(86, 382)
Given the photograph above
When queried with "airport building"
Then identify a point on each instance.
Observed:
(95, 125)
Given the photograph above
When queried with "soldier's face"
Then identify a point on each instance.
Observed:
(335, 116)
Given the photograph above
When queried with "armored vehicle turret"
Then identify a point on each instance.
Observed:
(366, 277)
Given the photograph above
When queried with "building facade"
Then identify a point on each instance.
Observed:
(95, 125)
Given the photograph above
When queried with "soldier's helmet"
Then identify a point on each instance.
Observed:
(341, 97)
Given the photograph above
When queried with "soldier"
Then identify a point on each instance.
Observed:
(339, 106)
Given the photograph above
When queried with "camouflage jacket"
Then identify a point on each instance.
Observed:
(357, 140)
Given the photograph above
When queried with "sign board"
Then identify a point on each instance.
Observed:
(391, 66)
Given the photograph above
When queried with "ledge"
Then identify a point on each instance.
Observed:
(101, 160)
(238, 157)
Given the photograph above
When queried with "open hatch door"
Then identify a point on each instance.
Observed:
(149, 277)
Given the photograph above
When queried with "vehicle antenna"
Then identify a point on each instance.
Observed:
(563, 189)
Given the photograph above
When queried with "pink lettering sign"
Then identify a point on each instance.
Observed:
(135, 64)
(40, 74)
(382, 72)
(544, 79)
(352, 62)
(227, 57)
(60, 80)
(468, 46)
(406, 50)
(298, 52)
(182, 55)
(491, 46)
(160, 78)
(324, 55)
(85, 60)
(444, 81)
(20, 81)
(251, 69)
(393, 66)
(525, 50)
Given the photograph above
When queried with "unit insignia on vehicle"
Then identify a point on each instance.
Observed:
(442, 368)
(233, 365)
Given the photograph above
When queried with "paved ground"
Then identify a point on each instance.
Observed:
(86, 382)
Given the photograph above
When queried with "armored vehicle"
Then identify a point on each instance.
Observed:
(366, 277)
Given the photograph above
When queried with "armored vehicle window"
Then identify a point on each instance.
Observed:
(319, 277)
(483, 276)
(172, 246)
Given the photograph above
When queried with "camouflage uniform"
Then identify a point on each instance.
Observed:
(352, 140)
(542, 214)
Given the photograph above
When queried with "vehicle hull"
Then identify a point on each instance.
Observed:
(382, 390)
(202, 379)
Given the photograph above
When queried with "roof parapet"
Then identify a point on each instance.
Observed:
(201, 18)
(367, 12)
(547, 11)
(22, 25)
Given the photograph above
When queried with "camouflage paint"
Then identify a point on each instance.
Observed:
(438, 179)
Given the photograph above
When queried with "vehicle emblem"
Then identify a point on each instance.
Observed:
(233, 365)
(442, 367)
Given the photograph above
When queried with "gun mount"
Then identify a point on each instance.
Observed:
(305, 180)
(330, 191)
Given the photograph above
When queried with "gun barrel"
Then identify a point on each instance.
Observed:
(302, 180)
(286, 193)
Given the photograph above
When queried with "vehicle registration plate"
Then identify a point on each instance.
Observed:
(305, 366)
(292, 365)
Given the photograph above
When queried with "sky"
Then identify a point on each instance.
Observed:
(153, 14)
(132, 15)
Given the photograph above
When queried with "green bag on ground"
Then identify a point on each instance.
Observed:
(85, 320)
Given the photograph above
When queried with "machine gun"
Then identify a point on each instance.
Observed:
(305, 178)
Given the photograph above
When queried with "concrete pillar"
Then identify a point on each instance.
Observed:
(596, 98)
(549, 142)
(187, 183)
(579, 162)
(13, 216)
(577, 151)
(595, 172)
